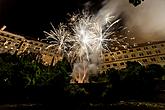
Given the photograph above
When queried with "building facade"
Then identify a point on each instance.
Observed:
(16, 44)
(146, 53)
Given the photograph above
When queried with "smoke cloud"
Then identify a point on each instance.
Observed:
(146, 22)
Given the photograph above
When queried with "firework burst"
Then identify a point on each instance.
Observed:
(84, 37)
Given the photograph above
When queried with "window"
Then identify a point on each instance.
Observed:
(153, 59)
(153, 46)
(133, 55)
(16, 45)
(138, 49)
(106, 59)
(144, 60)
(141, 54)
(36, 44)
(130, 50)
(112, 54)
(124, 51)
(114, 64)
(2, 34)
(149, 52)
(125, 56)
(105, 55)
(113, 59)
(19, 38)
(145, 48)
(108, 65)
(122, 64)
(118, 52)
(162, 58)
(12, 37)
(41, 45)
(157, 51)
(162, 45)
(52, 51)
(37, 48)
(120, 57)
(7, 35)
(2, 39)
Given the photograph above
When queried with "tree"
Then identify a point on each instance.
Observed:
(155, 71)
(113, 75)
(27, 71)
(61, 72)
(133, 71)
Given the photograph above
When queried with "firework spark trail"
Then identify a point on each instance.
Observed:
(60, 38)
(84, 36)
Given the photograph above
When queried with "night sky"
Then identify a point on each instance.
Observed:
(31, 17)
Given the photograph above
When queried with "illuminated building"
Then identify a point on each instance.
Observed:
(146, 53)
(16, 44)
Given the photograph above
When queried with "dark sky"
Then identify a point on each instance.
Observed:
(32, 17)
